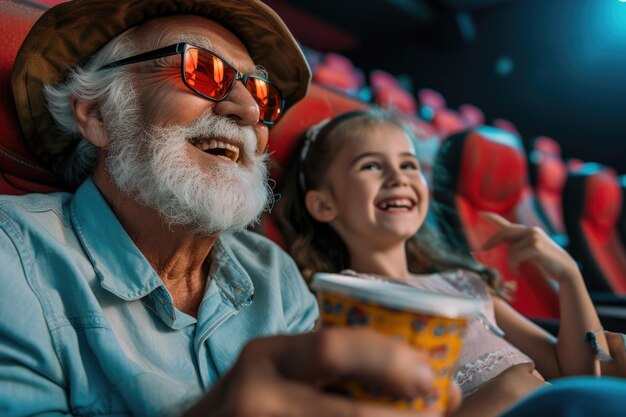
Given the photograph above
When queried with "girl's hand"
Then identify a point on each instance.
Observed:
(531, 244)
(617, 350)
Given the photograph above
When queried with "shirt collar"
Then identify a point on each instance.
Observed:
(121, 267)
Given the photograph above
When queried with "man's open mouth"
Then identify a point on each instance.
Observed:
(218, 148)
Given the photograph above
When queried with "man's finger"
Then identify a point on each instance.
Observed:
(454, 398)
(327, 404)
(333, 354)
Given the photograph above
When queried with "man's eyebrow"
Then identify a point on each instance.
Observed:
(203, 42)
(379, 154)
(193, 39)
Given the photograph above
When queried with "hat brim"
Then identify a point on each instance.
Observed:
(70, 33)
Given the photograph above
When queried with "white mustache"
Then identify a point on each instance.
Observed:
(220, 127)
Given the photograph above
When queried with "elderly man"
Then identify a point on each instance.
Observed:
(141, 291)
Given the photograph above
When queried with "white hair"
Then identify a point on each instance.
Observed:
(104, 88)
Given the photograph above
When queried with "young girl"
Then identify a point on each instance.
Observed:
(354, 206)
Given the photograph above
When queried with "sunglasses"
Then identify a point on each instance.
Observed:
(212, 77)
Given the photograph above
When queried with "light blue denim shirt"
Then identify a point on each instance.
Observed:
(88, 328)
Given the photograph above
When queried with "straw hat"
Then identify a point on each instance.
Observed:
(70, 33)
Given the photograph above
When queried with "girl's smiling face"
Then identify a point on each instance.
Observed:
(374, 190)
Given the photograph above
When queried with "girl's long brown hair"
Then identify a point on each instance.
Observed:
(316, 247)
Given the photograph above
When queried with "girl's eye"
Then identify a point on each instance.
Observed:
(370, 166)
(409, 165)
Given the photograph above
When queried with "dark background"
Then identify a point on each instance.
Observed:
(552, 67)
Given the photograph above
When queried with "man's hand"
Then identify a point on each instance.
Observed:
(287, 376)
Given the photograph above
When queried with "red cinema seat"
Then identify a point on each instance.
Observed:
(621, 224)
(547, 145)
(507, 126)
(396, 99)
(471, 115)
(318, 104)
(548, 173)
(447, 122)
(20, 172)
(592, 203)
(485, 170)
(389, 94)
(432, 108)
(337, 72)
(428, 97)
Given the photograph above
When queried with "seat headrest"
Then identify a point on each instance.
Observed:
(471, 115)
(431, 98)
(493, 170)
(382, 80)
(507, 126)
(551, 172)
(338, 72)
(547, 145)
(448, 122)
(396, 99)
(318, 104)
(602, 201)
(20, 170)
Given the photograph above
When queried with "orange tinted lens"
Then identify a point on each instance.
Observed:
(207, 73)
(268, 98)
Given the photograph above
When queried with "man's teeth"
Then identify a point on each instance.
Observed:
(401, 203)
(223, 149)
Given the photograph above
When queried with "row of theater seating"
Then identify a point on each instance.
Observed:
(428, 108)
(490, 171)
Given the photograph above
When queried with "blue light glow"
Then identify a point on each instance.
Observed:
(597, 37)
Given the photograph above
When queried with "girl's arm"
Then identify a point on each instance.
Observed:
(571, 354)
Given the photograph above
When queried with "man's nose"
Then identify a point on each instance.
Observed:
(239, 105)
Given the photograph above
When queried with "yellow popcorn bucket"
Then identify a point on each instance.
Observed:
(429, 321)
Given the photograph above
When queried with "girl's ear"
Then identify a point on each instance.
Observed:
(320, 206)
(89, 122)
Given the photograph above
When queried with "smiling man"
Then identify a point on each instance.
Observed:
(142, 290)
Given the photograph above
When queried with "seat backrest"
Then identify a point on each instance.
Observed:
(20, 172)
(448, 122)
(318, 104)
(592, 203)
(548, 173)
(485, 170)
(337, 71)
(428, 97)
(621, 223)
(389, 93)
(471, 115)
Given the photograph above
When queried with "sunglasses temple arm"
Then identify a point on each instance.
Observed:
(147, 56)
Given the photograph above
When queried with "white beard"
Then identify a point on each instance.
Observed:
(152, 165)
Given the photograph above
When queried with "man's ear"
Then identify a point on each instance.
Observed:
(320, 206)
(89, 122)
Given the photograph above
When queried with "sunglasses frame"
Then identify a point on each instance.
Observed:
(181, 48)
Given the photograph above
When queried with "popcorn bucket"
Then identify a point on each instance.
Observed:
(431, 322)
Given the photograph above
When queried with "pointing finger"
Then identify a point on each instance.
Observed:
(495, 218)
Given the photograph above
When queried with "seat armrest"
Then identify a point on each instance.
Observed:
(605, 298)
